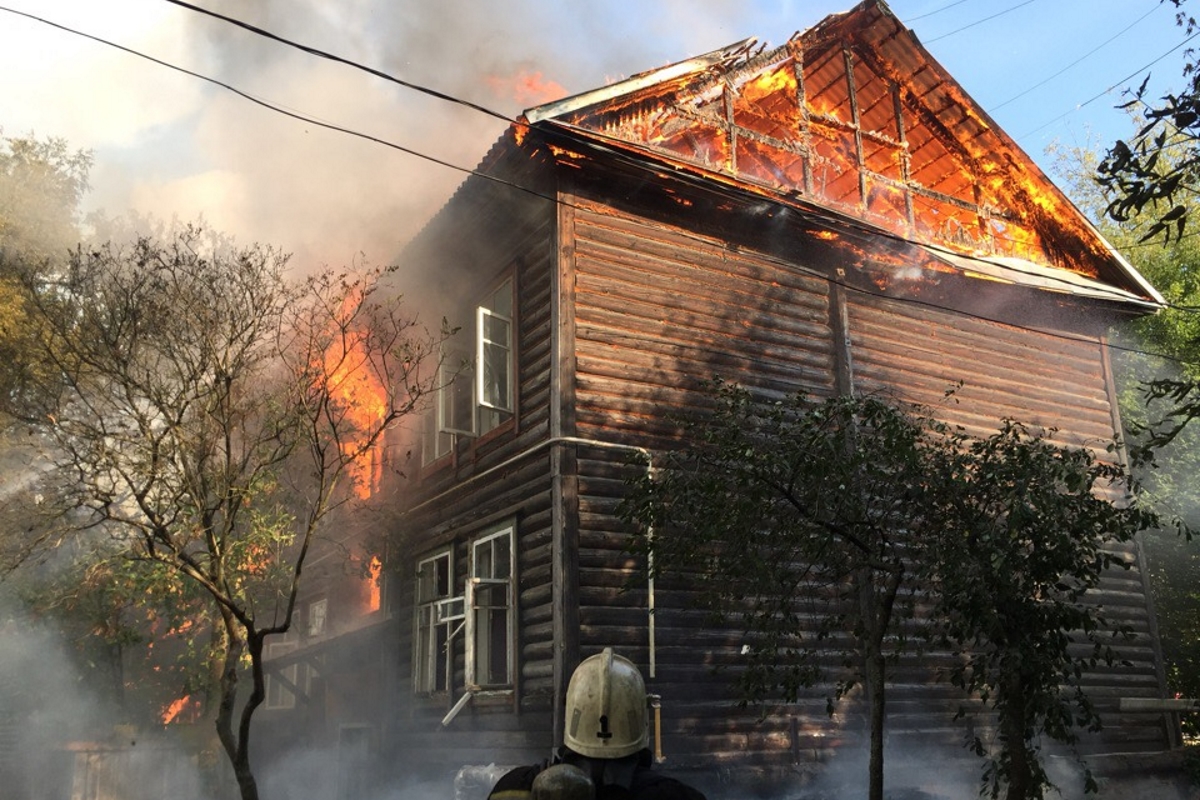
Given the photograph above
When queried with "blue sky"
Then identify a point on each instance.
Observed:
(171, 145)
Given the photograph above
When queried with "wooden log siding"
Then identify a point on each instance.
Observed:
(916, 352)
(484, 732)
(660, 308)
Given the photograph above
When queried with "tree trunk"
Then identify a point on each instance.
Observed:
(236, 745)
(876, 683)
(1019, 775)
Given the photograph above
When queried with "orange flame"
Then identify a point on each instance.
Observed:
(357, 389)
(374, 588)
(182, 709)
(769, 83)
(527, 88)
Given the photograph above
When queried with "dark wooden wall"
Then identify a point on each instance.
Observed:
(660, 308)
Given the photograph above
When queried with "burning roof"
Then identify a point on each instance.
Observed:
(853, 117)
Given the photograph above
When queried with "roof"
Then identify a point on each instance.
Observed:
(856, 118)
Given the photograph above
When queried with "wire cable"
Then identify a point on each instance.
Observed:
(980, 21)
(935, 11)
(340, 60)
(1128, 77)
(1089, 53)
(686, 176)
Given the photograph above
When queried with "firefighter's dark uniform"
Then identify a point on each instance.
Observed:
(629, 778)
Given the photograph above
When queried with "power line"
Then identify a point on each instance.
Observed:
(340, 60)
(1128, 77)
(272, 107)
(1103, 44)
(980, 21)
(682, 175)
(935, 11)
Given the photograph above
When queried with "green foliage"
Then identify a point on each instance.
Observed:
(780, 508)
(197, 419)
(1030, 528)
(1166, 447)
(41, 185)
(808, 523)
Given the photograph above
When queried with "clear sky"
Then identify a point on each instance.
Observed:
(171, 145)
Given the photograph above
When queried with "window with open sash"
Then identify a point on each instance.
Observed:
(439, 614)
(477, 387)
(494, 361)
(490, 662)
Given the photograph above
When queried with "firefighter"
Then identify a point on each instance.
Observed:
(606, 736)
(563, 782)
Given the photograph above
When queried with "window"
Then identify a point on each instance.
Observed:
(485, 616)
(477, 389)
(316, 616)
(438, 614)
(490, 611)
(494, 357)
(279, 694)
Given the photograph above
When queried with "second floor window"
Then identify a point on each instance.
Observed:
(478, 383)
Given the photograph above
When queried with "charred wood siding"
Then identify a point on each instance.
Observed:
(661, 308)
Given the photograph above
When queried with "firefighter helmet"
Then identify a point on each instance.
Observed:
(606, 708)
(563, 782)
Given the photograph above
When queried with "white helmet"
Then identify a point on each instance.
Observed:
(606, 708)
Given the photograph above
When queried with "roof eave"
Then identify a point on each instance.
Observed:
(638, 82)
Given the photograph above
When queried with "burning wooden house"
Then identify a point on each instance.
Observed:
(834, 215)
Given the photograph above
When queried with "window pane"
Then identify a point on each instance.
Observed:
(501, 301)
(483, 560)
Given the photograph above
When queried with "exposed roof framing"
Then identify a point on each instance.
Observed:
(855, 116)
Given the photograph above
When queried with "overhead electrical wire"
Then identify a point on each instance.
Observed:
(1116, 85)
(1089, 53)
(980, 21)
(416, 87)
(935, 11)
(558, 201)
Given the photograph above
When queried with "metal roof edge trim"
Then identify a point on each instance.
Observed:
(1022, 272)
(640, 81)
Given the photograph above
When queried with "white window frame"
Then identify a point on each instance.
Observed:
(432, 615)
(505, 405)
(481, 619)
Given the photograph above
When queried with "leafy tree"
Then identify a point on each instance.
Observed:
(1158, 168)
(803, 519)
(41, 185)
(200, 425)
(1028, 528)
(792, 511)
(1157, 352)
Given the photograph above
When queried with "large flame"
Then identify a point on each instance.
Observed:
(356, 388)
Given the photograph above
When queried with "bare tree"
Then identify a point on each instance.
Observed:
(208, 415)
